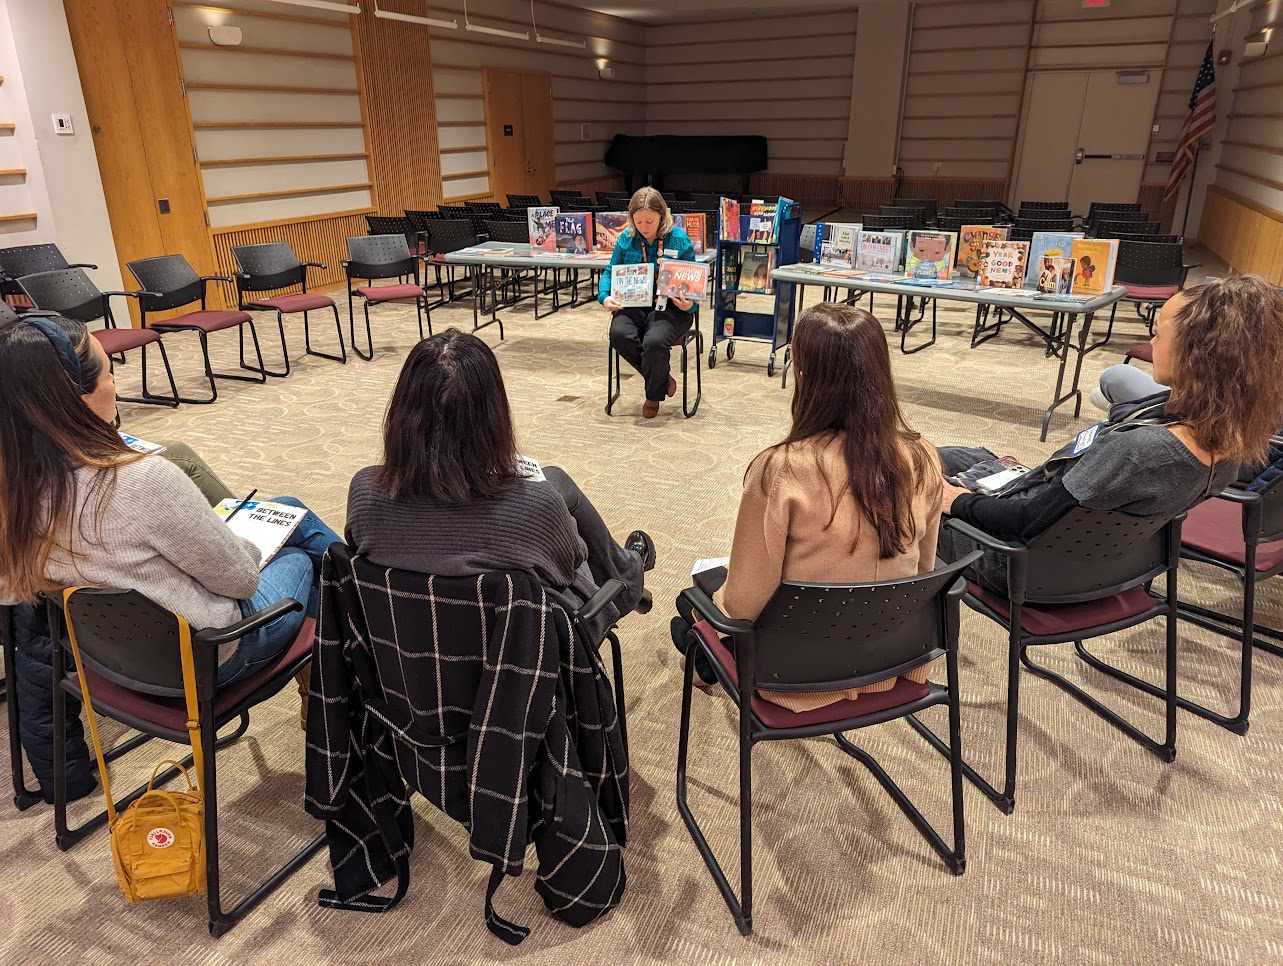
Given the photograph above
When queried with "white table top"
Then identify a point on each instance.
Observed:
(519, 255)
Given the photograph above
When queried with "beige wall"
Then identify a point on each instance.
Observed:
(1251, 152)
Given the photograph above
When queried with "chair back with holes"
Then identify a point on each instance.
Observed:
(391, 225)
(508, 232)
(7, 314)
(1272, 512)
(1102, 209)
(1044, 206)
(1111, 229)
(524, 201)
(128, 639)
(68, 292)
(1117, 216)
(379, 256)
(806, 247)
(916, 216)
(171, 277)
(1090, 554)
(969, 216)
(418, 219)
(451, 235)
(561, 197)
(483, 205)
(1123, 236)
(269, 266)
(993, 207)
(889, 222)
(683, 207)
(613, 198)
(27, 260)
(1045, 224)
(827, 637)
(928, 206)
(1149, 263)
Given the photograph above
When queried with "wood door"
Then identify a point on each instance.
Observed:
(505, 132)
(1049, 136)
(536, 110)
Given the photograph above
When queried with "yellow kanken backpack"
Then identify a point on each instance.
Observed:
(158, 842)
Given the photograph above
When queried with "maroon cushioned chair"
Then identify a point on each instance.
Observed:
(273, 266)
(170, 283)
(1151, 272)
(70, 293)
(827, 637)
(1087, 575)
(373, 257)
(129, 646)
(614, 369)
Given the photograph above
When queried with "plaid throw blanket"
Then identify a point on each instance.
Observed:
(479, 694)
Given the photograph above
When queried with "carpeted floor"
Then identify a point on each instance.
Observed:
(1110, 856)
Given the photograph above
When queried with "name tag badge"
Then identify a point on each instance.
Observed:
(670, 253)
(1085, 438)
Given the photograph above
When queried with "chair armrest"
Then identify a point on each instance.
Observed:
(216, 278)
(1236, 494)
(135, 295)
(986, 540)
(83, 265)
(320, 265)
(710, 580)
(225, 635)
(598, 601)
(710, 612)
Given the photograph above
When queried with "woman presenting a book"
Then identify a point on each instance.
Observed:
(641, 333)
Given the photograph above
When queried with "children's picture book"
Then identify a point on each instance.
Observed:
(633, 285)
(1002, 264)
(574, 232)
(141, 445)
(878, 251)
(679, 279)
(1055, 274)
(695, 226)
(839, 246)
(607, 227)
(728, 220)
(755, 270)
(971, 242)
(762, 225)
(265, 524)
(1044, 243)
(542, 223)
(785, 208)
(1094, 260)
(930, 254)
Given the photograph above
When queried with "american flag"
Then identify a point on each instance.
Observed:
(1199, 120)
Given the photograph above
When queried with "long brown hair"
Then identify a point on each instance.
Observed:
(46, 433)
(1227, 378)
(448, 432)
(844, 389)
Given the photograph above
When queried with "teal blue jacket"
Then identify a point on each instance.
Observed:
(631, 249)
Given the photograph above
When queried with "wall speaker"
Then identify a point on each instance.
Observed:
(225, 36)
(606, 73)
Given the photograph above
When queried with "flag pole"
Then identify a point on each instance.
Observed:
(1189, 195)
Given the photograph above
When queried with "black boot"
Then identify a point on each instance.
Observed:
(640, 543)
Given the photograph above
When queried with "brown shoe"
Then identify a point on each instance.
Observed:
(672, 386)
(650, 409)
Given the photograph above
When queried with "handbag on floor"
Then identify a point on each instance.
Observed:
(158, 842)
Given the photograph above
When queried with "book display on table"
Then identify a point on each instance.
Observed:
(971, 242)
(1055, 276)
(633, 285)
(680, 279)
(574, 233)
(1002, 264)
(695, 225)
(878, 251)
(837, 249)
(1056, 244)
(750, 246)
(1094, 261)
(930, 255)
(607, 227)
(542, 223)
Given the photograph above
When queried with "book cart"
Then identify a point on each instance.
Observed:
(732, 324)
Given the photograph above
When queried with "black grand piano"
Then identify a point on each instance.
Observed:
(650, 159)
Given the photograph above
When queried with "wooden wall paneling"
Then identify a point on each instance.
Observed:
(322, 239)
(1246, 235)
(401, 127)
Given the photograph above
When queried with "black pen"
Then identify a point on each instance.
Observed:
(240, 505)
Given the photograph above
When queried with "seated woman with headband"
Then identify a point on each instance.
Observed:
(81, 507)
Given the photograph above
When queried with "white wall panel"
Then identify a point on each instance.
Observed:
(272, 106)
(250, 178)
(218, 143)
(227, 65)
(274, 209)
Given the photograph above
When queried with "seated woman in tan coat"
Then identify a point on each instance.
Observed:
(851, 495)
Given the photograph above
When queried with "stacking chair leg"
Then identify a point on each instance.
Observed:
(23, 797)
(612, 377)
(421, 311)
(210, 375)
(148, 397)
(618, 669)
(689, 409)
(307, 339)
(351, 327)
(285, 350)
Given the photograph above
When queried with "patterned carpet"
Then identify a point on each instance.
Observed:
(1111, 855)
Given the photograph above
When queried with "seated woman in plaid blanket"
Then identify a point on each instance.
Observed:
(453, 497)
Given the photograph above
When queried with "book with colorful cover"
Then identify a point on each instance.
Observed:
(695, 225)
(728, 220)
(785, 208)
(633, 285)
(1055, 243)
(878, 251)
(607, 227)
(1002, 264)
(762, 225)
(681, 279)
(755, 270)
(930, 254)
(839, 246)
(265, 524)
(971, 242)
(1094, 260)
(574, 232)
(542, 223)
(141, 445)
(1055, 276)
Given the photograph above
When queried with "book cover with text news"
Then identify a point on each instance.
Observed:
(755, 271)
(1054, 243)
(761, 222)
(838, 248)
(695, 225)
(574, 233)
(607, 227)
(930, 254)
(542, 223)
(678, 279)
(728, 220)
(1094, 268)
(633, 285)
(1055, 274)
(971, 242)
(1002, 264)
(878, 251)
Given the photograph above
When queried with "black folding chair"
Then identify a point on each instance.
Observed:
(1123, 236)
(30, 260)
(1087, 575)
(129, 647)
(614, 367)
(926, 205)
(890, 222)
(1044, 206)
(827, 637)
(392, 224)
(1112, 229)
(560, 198)
(1151, 272)
(917, 216)
(447, 235)
(994, 208)
(169, 282)
(524, 201)
(273, 266)
(1103, 209)
(1048, 223)
(373, 257)
(69, 292)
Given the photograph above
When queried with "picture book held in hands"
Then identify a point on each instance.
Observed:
(265, 524)
(679, 279)
(633, 285)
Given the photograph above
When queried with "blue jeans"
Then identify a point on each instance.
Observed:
(293, 573)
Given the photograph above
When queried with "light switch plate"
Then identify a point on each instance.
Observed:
(62, 124)
(585, 131)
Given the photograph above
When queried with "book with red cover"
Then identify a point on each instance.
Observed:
(694, 224)
(678, 279)
(729, 220)
(607, 227)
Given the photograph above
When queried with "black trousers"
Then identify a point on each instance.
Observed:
(644, 337)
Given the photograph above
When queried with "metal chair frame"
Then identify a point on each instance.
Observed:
(614, 367)
(394, 261)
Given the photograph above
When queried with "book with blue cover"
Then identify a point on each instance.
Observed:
(1055, 244)
(574, 233)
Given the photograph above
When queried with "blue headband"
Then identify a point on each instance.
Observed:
(61, 343)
